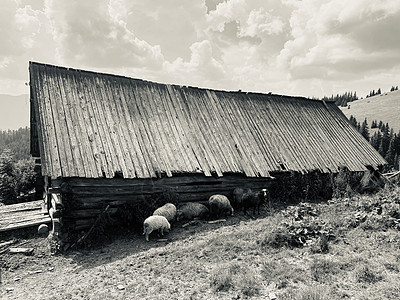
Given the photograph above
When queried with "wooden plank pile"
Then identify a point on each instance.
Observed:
(23, 215)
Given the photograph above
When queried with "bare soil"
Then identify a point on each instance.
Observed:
(229, 260)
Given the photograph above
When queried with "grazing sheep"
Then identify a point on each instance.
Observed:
(154, 223)
(167, 210)
(189, 211)
(254, 200)
(237, 199)
(220, 206)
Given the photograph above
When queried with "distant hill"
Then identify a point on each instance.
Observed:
(384, 107)
(14, 111)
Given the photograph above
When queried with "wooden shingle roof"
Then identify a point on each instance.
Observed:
(96, 125)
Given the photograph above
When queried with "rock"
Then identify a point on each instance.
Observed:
(120, 287)
(43, 229)
(272, 296)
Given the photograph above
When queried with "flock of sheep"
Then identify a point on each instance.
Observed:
(218, 206)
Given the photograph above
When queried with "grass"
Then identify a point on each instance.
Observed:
(239, 259)
(380, 108)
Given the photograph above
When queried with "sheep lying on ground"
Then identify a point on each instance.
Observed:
(237, 198)
(167, 210)
(254, 200)
(191, 210)
(220, 206)
(154, 223)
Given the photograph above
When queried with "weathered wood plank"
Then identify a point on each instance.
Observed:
(76, 110)
(50, 142)
(186, 129)
(143, 139)
(240, 141)
(195, 142)
(60, 124)
(142, 170)
(171, 102)
(28, 223)
(34, 98)
(112, 125)
(65, 91)
(131, 137)
(152, 128)
(120, 128)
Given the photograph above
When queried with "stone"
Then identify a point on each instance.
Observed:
(43, 229)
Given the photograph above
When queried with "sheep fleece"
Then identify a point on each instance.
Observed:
(153, 223)
(189, 211)
(167, 210)
(220, 205)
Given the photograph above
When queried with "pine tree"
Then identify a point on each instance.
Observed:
(364, 129)
(390, 153)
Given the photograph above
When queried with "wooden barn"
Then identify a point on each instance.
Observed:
(104, 140)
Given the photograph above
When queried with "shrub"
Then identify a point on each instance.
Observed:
(364, 274)
(15, 177)
(235, 276)
(278, 238)
(322, 269)
(221, 279)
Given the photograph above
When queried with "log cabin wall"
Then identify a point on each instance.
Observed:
(84, 199)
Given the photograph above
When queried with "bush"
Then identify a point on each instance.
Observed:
(15, 177)
(364, 274)
(221, 279)
(235, 276)
(322, 269)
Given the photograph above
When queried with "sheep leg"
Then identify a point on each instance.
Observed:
(147, 233)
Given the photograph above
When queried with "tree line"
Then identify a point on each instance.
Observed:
(17, 141)
(384, 140)
(345, 98)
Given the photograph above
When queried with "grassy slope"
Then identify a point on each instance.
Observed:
(232, 260)
(385, 107)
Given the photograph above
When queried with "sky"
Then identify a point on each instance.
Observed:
(311, 48)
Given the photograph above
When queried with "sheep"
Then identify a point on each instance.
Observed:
(254, 199)
(189, 211)
(220, 206)
(237, 198)
(154, 223)
(167, 210)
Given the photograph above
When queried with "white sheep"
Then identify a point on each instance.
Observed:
(191, 210)
(220, 206)
(167, 210)
(154, 223)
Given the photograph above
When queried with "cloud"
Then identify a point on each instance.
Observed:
(341, 39)
(95, 33)
(202, 67)
(18, 27)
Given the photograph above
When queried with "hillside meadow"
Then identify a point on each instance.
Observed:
(344, 248)
(384, 107)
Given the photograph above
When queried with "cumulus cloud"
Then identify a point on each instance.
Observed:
(18, 27)
(94, 33)
(308, 47)
(202, 67)
(341, 38)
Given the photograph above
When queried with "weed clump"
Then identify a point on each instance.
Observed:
(300, 227)
(363, 274)
(235, 277)
(322, 269)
